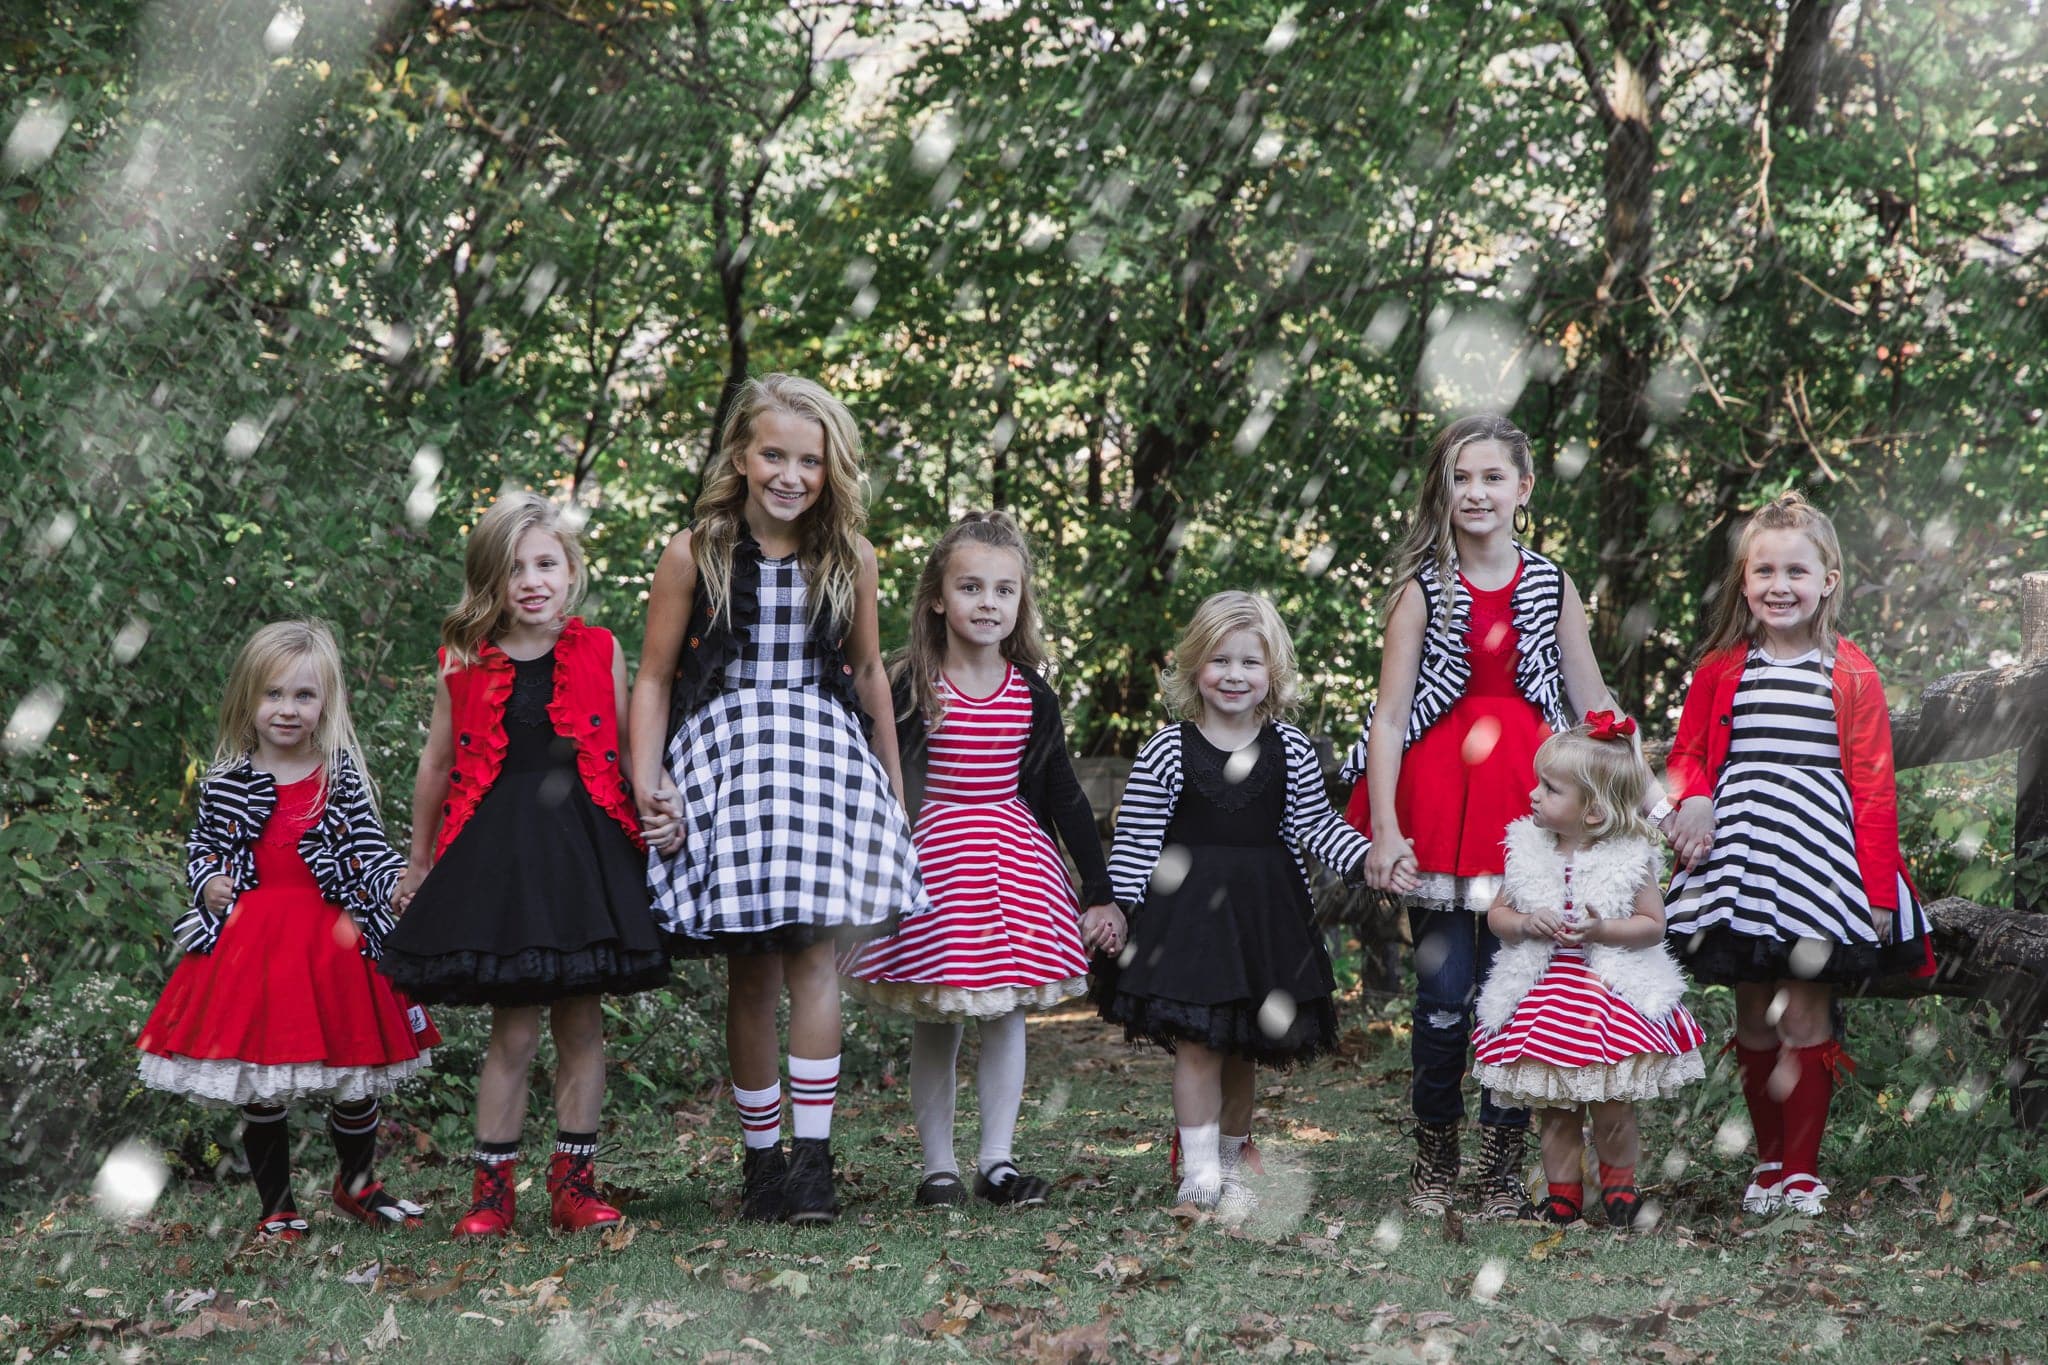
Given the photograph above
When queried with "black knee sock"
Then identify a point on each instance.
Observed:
(353, 1126)
(267, 1140)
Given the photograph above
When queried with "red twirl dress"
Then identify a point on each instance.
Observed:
(1573, 1041)
(1466, 778)
(1004, 929)
(286, 1006)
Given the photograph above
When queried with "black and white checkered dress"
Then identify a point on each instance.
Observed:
(791, 834)
(1779, 894)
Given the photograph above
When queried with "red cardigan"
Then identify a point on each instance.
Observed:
(584, 709)
(1863, 726)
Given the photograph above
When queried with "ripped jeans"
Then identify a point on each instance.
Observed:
(1453, 950)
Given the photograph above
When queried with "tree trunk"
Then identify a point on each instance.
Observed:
(1627, 340)
(1796, 80)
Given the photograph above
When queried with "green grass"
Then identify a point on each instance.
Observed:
(1930, 1251)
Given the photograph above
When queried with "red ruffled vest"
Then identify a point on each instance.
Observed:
(584, 710)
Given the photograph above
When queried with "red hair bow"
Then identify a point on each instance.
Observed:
(1606, 725)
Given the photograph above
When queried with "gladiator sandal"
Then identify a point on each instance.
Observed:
(1433, 1176)
(1502, 1154)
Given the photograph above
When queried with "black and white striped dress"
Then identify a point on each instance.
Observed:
(790, 832)
(1779, 894)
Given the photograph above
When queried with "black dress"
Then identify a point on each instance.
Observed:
(542, 896)
(1228, 956)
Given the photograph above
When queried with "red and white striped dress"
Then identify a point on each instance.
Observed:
(1572, 1041)
(1004, 928)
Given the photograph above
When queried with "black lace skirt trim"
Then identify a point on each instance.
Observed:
(1229, 1028)
(785, 938)
(1719, 956)
(535, 976)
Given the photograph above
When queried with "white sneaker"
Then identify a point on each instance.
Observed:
(1238, 1200)
(1808, 1196)
(1203, 1191)
(1766, 1189)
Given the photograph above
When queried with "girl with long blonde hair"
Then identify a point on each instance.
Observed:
(786, 839)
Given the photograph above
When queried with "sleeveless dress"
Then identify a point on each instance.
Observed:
(1004, 930)
(791, 834)
(541, 897)
(1572, 1041)
(1467, 778)
(1780, 894)
(1227, 955)
(285, 1007)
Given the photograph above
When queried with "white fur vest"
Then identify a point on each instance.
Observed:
(1605, 879)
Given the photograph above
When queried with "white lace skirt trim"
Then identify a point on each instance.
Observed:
(1445, 891)
(226, 1082)
(936, 1003)
(1539, 1085)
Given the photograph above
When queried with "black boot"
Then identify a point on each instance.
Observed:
(761, 1200)
(808, 1196)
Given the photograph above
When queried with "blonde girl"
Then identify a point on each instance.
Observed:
(1486, 653)
(277, 998)
(1225, 968)
(1786, 824)
(761, 668)
(985, 765)
(1581, 1009)
(527, 892)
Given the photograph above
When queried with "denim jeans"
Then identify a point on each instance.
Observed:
(1453, 950)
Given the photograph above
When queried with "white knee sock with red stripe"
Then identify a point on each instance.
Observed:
(813, 1086)
(760, 1114)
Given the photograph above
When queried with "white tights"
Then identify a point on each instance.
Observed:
(998, 1087)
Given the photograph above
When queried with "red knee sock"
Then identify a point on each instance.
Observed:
(1806, 1107)
(1766, 1115)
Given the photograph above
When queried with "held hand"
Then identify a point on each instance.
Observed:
(408, 885)
(661, 818)
(1103, 929)
(1884, 922)
(1542, 924)
(1690, 830)
(1390, 865)
(218, 893)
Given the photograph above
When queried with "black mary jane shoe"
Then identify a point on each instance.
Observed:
(940, 1189)
(1016, 1189)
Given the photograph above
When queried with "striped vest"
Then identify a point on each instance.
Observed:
(1445, 669)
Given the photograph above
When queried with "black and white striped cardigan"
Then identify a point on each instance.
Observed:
(1308, 824)
(1445, 669)
(353, 863)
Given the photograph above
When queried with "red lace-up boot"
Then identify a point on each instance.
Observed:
(572, 1185)
(491, 1202)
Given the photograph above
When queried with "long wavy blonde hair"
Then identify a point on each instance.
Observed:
(829, 535)
(266, 654)
(1731, 621)
(1218, 616)
(487, 571)
(1429, 536)
(925, 655)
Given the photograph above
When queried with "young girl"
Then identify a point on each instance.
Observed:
(985, 765)
(761, 657)
(1787, 829)
(292, 886)
(1486, 653)
(1225, 968)
(1581, 1008)
(535, 895)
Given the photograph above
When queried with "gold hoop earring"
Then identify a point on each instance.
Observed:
(1522, 520)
